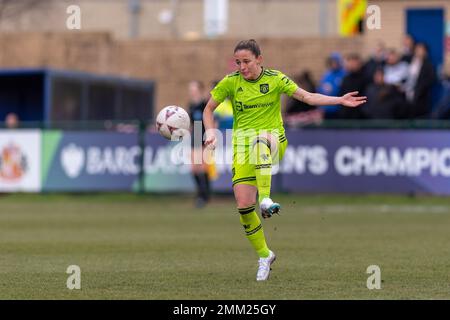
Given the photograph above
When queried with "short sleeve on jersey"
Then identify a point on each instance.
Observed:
(222, 90)
(286, 85)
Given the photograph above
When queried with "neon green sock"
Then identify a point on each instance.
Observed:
(254, 230)
(263, 167)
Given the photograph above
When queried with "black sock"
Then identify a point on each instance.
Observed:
(205, 188)
(198, 184)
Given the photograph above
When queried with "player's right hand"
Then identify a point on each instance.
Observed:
(210, 141)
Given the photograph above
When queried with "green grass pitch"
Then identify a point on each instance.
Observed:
(160, 247)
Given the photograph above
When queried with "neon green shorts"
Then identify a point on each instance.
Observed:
(243, 170)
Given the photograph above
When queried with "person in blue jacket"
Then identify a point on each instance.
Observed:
(330, 83)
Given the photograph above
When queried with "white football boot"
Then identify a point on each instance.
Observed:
(268, 208)
(264, 267)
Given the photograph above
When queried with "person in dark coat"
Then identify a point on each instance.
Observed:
(418, 86)
(384, 101)
(355, 80)
(299, 113)
(408, 48)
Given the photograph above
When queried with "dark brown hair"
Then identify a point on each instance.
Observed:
(249, 45)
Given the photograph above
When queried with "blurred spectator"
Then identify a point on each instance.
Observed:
(304, 81)
(330, 83)
(197, 104)
(376, 60)
(408, 48)
(420, 80)
(354, 80)
(299, 113)
(384, 101)
(11, 121)
(395, 70)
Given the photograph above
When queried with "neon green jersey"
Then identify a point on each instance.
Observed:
(256, 103)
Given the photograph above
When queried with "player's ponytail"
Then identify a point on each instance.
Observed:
(250, 45)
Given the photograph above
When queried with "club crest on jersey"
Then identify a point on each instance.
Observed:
(264, 88)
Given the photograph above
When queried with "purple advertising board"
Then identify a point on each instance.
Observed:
(90, 161)
(166, 170)
(167, 167)
(378, 161)
(316, 161)
(332, 161)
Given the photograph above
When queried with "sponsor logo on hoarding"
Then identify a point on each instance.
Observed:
(117, 160)
(72, 160)
(13, 163)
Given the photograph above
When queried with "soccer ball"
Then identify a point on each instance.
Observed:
(173, 122)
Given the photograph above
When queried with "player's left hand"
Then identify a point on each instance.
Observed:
(351, 100)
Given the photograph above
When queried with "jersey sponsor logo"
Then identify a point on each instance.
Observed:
(264, 88)
(241, 107)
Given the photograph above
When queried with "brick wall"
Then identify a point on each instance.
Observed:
(247, 18)
(172, 64)
(283, 36)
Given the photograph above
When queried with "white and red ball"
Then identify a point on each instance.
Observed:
(173, 122)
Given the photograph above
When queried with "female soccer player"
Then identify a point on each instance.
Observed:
(258, 136)
(197, 104)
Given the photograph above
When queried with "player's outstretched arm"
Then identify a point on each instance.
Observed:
(208, 122)
(316, 99)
